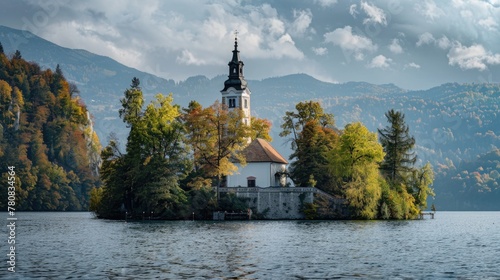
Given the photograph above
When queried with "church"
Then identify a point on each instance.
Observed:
(265, 166)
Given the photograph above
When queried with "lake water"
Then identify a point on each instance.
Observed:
(454, 245)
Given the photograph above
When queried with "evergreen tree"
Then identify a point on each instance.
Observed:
(398, 147)
(132, 103)
(1, 48)
(17, 55)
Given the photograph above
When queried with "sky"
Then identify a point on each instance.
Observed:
(412, 44)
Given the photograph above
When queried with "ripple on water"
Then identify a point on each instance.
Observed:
(74, 245)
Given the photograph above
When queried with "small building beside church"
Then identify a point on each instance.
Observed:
(265, 167)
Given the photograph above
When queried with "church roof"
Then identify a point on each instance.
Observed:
(261, 151)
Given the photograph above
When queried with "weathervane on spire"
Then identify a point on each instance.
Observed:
(236, 34)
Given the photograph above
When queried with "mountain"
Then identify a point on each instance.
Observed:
(452, 123)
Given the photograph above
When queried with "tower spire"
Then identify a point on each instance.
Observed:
(235, 93)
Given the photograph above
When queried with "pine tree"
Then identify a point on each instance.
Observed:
(398, 145)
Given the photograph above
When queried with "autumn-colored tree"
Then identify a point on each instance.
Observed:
(313, 135)
(216, 135)
(260, 128)
(46, 135)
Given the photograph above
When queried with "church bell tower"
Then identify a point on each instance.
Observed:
(236, 93)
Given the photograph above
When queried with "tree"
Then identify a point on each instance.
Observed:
(216, 135)
(313, 134)
(313, 144)
(398, 145)
(354, 163)
(294, 122)
(260, 128)
(17, 55)
(146, 178)
(420, 183)
(357, 148)
(1, 48)
(132, 103)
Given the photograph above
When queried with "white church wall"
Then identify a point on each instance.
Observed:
(260, 170)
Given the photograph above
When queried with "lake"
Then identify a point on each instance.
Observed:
(463, 245)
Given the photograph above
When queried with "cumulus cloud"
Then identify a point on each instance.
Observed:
(489, 23)
(395, 47)
(428, 39)
(380, 61)
(349, 42)
(320, 51)
(473, 57)
(303, 19)
(443, 42)
(425, 39)
(187, 58)
(374, 13)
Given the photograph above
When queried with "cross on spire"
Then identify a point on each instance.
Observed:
(236, 34)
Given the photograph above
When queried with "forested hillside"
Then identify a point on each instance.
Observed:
(46, 134)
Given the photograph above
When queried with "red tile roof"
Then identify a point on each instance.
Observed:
(261, 151)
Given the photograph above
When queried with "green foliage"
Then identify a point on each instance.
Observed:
(313, 136)
(405, 194)
(46, 135)
(146, 178)
(310, 211)
(398, 144)
(231, 203)
(260, 128)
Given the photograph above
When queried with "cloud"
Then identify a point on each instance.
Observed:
(425, 39)
(320, 51)
(303, 19)
(430, 10)
(412, 65)
(395, 47)
(374, 13)
(349, 42)
(187, 58)
(443, 42)
(473, 57)
(326, 3)
(489, 23)
(428, 39)
(353, 10)
(380, 61)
